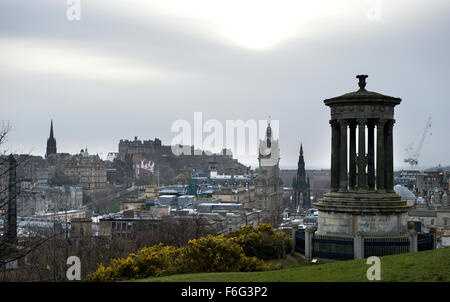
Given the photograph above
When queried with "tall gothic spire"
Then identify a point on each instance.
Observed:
(51, 142)
(301, 163)
(302, 184)
(51, 128)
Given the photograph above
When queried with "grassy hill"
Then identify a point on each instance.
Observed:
(422, 266)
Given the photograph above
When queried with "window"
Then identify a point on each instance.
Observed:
(432, 221)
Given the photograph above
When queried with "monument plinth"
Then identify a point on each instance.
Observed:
(362, 199)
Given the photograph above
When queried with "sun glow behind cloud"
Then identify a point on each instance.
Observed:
(250, 24)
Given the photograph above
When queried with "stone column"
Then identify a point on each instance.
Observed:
(334, 155)
(380, 156)
(358, 246)
(434, 233)
(371, 155)
(293, 238)
(362, 178)
(412, 241)
(309, 233)
(343, 156)
(389, 157)
(352, 162)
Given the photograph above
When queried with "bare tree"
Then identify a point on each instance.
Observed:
(13, 250)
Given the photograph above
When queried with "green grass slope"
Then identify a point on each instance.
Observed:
(422, 266)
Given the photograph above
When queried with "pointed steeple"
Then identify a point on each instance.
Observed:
(302, 182)
(301, 174)
(51, 128)
(51, 142)
(269, 134)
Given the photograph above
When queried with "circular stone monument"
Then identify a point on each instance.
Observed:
(362, 199)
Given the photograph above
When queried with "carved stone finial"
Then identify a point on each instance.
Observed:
(362, 81)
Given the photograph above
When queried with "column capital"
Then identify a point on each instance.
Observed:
(381, 122)
(343, 123)
(362, 121)
(390, 122)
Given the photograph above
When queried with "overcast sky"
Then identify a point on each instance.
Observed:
(131, 68)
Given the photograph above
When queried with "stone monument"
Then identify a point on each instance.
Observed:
(362, 199)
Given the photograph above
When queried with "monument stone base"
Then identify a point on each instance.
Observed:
(368, 214)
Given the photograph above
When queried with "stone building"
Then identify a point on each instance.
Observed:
(408, 178)
(125, 227)
(83, 169)
(234, 195)
(152, 162)
(42, 200)
(31, 170)
(142, 147)
(80, 228)
(268, 184)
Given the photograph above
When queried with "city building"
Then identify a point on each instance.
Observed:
(268, 184)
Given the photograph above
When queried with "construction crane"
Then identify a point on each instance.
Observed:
(413, 159)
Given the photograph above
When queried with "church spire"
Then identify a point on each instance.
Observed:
(51, 128)
(51, 142)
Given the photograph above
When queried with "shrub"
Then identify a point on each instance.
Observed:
(152, 261)
(243, 250)
(262, 242)
(253, 264)
(211, 254)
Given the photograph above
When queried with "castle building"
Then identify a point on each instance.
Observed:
(300, 184)
(51, 142)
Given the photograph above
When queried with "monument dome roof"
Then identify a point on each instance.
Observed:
(363, 95)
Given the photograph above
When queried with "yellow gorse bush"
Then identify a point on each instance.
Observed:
(150, 261)
(242, 250)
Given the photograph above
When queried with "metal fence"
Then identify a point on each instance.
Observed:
(385, 246)
(425, 242)
(330, 247)
(300, 242)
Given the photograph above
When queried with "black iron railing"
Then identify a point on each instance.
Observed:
(330, 247)
(385, 246)
(424, 242)
(300, 242)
